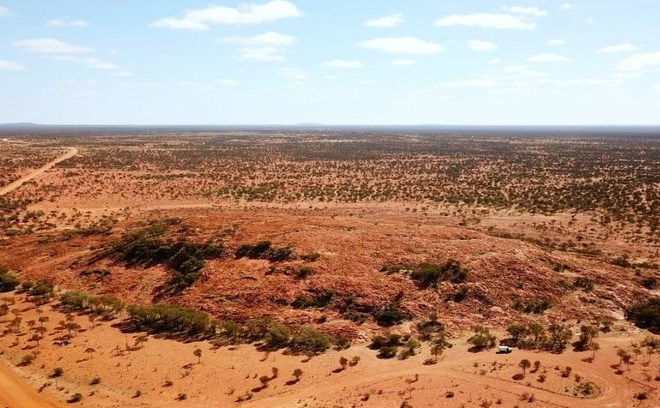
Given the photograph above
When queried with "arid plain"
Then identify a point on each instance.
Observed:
(330, 268)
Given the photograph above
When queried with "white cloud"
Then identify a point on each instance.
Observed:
(527, 11)
(486, 20)
(384, 22)
(471, 83)
(618, 48)
(656, 87)
(51, 46)
(403, 62)
(547, 57)
(4, 11)
(243, 14)
(482, 46)
(639, 61)
(266, 47)
(264, 54)
(98, 64)
(338, 63)
(11, 65)
(62, 51)
(567, 6)
(67, 23)
(87, 61)
(271, 39)
(556, 43)
(402, 45)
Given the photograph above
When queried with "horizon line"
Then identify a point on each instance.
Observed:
(314, 124)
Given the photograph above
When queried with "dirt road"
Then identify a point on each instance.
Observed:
(15, 393)
(16, 184)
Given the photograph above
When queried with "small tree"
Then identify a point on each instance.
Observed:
(524, 364)
(77, 397)
(624, 357)
(41, 331)
(71, 326)
(343, 362)
(482, 339)
(275, 371)
(264, 379)
(587, 335)
(35, 338)
(297, 373)
(594, 347)
(198, 354)
(517, 331)
(440, 343)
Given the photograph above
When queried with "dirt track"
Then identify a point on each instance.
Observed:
(16, 184)
(15, 393)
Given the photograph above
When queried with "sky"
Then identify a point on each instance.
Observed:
(369, 62)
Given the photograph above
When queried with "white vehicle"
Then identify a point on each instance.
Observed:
(505, 349)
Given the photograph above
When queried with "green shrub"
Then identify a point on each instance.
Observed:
(650, 283)
(8, 282)
(482, 339)
(163, 318)
(645, 315)
(77, 397)
(42, 291)
(147, 247)
(389, 316)
(304, 272)
(535, 306)
(392, 340)
(264, 250)
(392, 269)
(460, 294)
(105, 306)
(277, 337)
(584, 283)
(306, 339)
(429, 274)
(311, 257)
(321, 299)
(387, 352)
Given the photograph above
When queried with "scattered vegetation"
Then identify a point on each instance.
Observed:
(482, 339)
(105, 306)
(148, 247)
(533, 336)
(429, 274)
(264, 250)
(535, 306)
(8, 282)
(646, 314)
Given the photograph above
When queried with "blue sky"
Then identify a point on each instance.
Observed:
(545, 62)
